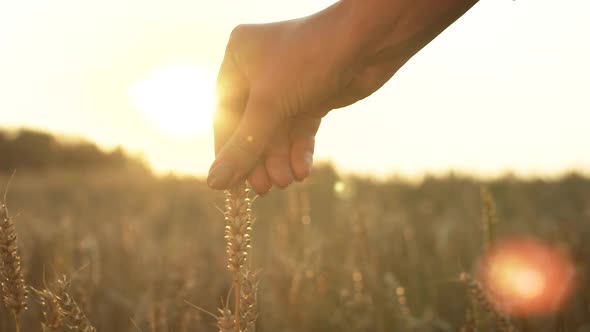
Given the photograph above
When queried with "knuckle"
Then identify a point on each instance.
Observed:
(281, 182)
(238, 33)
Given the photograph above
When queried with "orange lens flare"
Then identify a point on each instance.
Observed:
(525, 277)
(517, 277)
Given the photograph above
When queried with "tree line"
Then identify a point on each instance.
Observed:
(36, 150)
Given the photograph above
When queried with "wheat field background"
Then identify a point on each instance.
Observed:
(336, 254)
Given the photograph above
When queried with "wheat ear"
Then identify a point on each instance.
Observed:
(12, 281)
(249, 300)
(53, 315)
(238, 223)
(74, 317)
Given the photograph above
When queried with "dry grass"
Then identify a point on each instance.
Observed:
(365, 257)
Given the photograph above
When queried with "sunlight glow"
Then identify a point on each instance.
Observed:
(526, 277)
(518, 278)
(177, 99)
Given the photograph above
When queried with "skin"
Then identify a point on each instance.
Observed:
(278, 80)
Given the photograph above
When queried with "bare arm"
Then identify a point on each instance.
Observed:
(388, 28)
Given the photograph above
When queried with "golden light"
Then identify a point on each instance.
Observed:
(177, 99)
(343, 190)
(517, 277)
(526, 277)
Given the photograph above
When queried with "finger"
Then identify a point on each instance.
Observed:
(303, 134)
(277, 161)
(238, 156)
(259, 179)
(231, 98)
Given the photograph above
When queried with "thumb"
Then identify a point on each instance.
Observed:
(238, 156)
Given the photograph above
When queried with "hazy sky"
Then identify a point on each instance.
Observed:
(505, 88)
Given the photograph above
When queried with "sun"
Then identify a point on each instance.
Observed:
(176, 99)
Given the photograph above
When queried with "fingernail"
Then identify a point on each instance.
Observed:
(220, 176)
(304, 167)
(290, 176)
(284, 178)
(281, 178)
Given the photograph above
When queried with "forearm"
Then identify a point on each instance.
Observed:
(385, 29)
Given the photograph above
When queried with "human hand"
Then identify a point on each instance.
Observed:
(274, 86)
(278, 80)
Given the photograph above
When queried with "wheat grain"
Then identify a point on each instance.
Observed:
(225, 321)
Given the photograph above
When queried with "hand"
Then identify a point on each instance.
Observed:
(278, 80)
(274, 86)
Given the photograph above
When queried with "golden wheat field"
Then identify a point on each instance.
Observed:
(448, 189)
(135, 252)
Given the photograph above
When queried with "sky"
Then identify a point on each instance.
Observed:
(504, 89)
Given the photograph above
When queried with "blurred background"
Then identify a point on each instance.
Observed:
(478, 145)
(501, 90)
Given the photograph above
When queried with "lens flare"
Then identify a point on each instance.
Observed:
(526, 277)
(517, 277)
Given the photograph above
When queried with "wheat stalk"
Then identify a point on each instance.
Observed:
(238, 225)
(14, 290)
(489, 217)
(479, 294)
